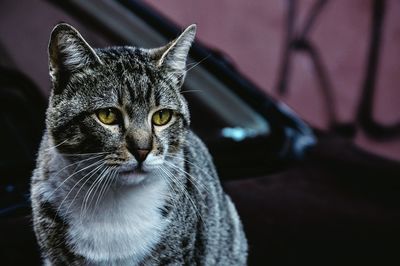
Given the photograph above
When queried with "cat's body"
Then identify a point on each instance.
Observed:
(143, 191)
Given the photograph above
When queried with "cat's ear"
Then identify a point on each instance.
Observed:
(174, 55)
(68, 53)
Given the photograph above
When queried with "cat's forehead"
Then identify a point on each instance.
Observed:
(127, 59)
(130, 76)
(127, 64)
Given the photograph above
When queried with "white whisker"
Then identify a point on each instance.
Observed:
(74, 173)
(92, 173)
(95, 187)
(70, 191)
(55, 146)
(191, 177)
(109, 177)
(183, 190)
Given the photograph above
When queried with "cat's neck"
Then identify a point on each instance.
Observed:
(124, 222)
(127, 223)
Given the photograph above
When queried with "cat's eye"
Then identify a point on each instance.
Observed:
(108, 116)
(161, 117)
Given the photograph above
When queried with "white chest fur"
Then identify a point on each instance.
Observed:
(126, 228)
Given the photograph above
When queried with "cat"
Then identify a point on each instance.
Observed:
(120, 177)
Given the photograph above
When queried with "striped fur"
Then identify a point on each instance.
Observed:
(93, 201)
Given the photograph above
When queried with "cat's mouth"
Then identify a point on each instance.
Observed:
(133, 171)
(136, 172)
(133, 175)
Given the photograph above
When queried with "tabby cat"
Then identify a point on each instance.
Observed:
(120, 178)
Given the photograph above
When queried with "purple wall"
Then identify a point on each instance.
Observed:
(25, 28)
(251, 33)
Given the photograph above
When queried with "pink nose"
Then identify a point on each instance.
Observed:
(141, 154)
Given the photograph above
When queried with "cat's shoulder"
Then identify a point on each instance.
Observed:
(195, 146)
(200, 161)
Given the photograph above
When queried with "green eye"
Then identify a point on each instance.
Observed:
(161, 117)
(108, 116)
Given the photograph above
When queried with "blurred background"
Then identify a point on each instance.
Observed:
(253, 37)
(325, 191)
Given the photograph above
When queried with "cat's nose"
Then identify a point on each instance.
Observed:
(141, 154)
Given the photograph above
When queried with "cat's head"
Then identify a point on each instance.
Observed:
(122, 104)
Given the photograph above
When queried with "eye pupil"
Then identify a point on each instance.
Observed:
(162, 117)
(108, 116)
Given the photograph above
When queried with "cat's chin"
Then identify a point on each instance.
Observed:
(134, 177)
